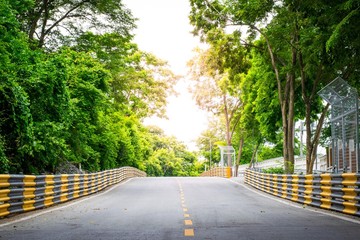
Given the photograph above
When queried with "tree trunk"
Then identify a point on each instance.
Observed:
(311, 153)
(238, 159)
(253, 155)
(285, 135)
(286, 100)
(309, 145)
(312, 140)
(288, 118)
(228, 134)
(289, 164)
(288, 131)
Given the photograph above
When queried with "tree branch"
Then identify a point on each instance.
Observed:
(64, 17)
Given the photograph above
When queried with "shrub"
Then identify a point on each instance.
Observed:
(275, 170)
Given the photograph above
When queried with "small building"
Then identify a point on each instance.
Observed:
(227, 154)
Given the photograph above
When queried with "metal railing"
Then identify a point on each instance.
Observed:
(21, 193)
(338, 192)
(217, 172)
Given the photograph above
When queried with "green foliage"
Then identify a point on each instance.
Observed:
(169, 157)
(139, 80)
(247, 152)
(59, 22)
(261, 113)
(297, 47)
(4, 161)
(16, 134)
(63, 106)
(266, 152)
(274, 170)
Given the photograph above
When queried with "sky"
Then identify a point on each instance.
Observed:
(164, 30)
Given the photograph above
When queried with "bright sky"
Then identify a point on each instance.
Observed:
(164, 30)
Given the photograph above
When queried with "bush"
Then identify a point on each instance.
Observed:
(275, 170)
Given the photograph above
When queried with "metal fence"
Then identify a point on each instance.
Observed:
(21, 193)
(320, 165)
(338, 192)
(344, 101)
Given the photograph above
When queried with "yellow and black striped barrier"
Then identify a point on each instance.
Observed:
(21, 193)
(338, 192)
(218, 172)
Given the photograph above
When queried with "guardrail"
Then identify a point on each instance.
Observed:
(338, 192)
(21, 193)
(217, 172)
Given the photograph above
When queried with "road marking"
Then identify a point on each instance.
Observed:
(189, 233)
(188, 222)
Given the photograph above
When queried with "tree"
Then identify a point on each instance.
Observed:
(140, 81)
(81, 104)
(16, 133)
(169, 157)
(53, 23)
(287, 29)
(342, 43)
(258, 118)
(220, 14)
(211, 73)
(211, 94)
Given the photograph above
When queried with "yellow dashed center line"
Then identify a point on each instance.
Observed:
(188, 232)
(188, 222)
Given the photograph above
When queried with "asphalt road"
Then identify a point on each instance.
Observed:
(180, 208)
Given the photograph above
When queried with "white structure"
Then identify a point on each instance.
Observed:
(320, 164)
(227, 153)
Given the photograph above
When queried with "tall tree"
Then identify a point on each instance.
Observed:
(214, 71)
(16, 133)
(140, 80)
(211, 90)
(52, 23)
(206, 16)
(343, 42)
(83, 104)
(287, 28)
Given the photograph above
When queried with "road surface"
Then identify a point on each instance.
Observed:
(180, 208)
